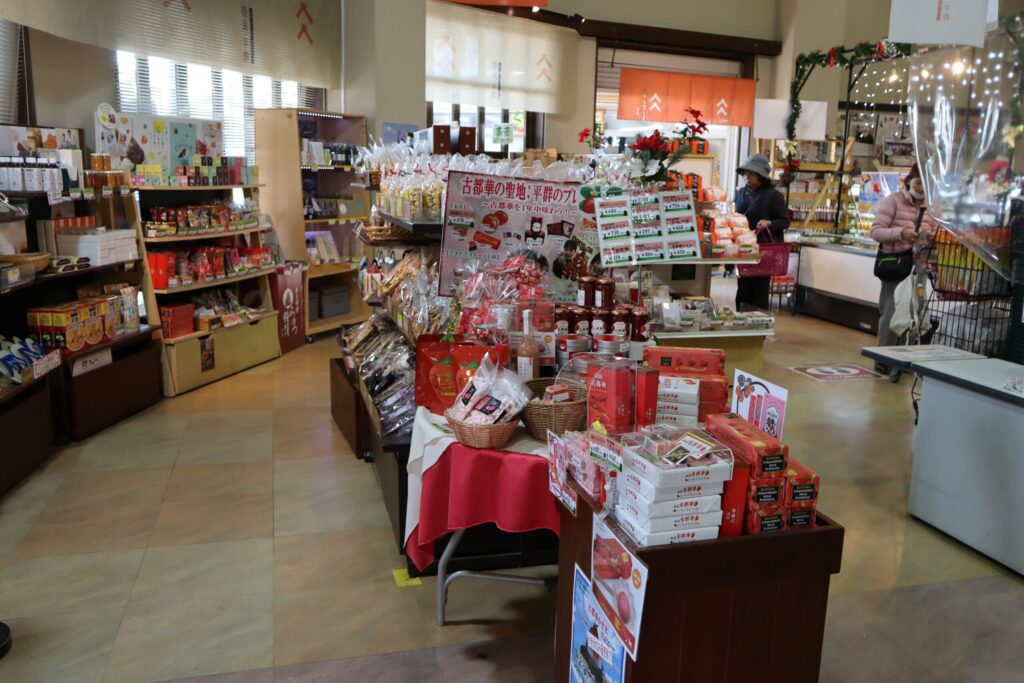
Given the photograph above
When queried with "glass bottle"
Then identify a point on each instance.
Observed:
(528, 351)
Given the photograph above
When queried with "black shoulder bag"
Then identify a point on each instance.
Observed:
(896, 267)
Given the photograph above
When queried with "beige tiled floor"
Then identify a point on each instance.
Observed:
(232, 529)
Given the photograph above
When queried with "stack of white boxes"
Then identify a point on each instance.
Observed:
(678, 401)
(100, 245)
(666, 497)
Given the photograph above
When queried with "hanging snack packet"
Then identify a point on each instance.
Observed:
(478, 386)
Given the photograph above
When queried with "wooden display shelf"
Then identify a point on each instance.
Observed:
(50, 277)
(420, 240)
(326, 167)
(335, 219)
(756, 604)
(416, 224)
(324, 269)
(206, 333)
(321, 325)
(17, 389)
(193, 188)
(811, 167)
(711, 334)
(216, 283)
(203, 235)
(117, 342)
(234, 349)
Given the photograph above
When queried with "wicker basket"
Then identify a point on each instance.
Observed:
(482, 436)
(561, 417)
(34, 261)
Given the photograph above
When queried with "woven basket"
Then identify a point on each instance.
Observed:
(561, 417)
(482, 436)
(36, 261)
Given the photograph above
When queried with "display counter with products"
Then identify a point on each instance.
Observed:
(837, 283)
(965, 481)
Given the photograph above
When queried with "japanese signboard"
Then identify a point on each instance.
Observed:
(648, 95)
(489, 218)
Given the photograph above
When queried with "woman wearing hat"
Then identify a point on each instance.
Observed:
(768, 215)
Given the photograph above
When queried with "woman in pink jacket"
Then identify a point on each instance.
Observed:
(895, 229)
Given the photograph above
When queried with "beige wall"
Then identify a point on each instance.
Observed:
(384, 49)
(561, 131)
(70, 79)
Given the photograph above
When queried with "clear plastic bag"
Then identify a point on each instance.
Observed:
(964, 111)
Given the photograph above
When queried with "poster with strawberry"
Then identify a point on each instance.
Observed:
(490, 218)
(619, 581)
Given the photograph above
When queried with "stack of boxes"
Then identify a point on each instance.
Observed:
(780, 492)
(621, 396)
(76, 325)
(203, 171)
(177, 321)
(707, 366)
(670, 490)
(99, 245)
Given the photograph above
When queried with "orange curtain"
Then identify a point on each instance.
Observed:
(648, 95)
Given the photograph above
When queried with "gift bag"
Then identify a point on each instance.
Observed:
(443, 368)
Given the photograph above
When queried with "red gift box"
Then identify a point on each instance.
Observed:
(768, 455)
(714, 389)
(176, 320)
(646, 396)
(800, 518)
(706, 410)
(762, 491)
(765, 519)
(686, 361)
(610, 397)
(801, 486)
(734, 498)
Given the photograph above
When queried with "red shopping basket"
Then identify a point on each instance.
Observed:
(774, 261)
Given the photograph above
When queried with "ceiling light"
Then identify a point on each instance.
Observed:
(893, 77)
(958, 67)
(925, 73)
(535, 9)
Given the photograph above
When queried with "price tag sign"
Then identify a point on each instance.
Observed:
(93, 361)
(125, 190)
(41, 366)
(75, 193)
(88, 193)
(502, 133)
(107, 191)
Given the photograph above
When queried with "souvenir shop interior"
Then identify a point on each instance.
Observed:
(449, 340)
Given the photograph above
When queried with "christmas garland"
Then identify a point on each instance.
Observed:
(845, 57)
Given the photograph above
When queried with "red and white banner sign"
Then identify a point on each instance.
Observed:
(646, 95)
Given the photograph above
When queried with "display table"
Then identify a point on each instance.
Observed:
(838, 283)
(743, 348)
(749, 608)
(453, 487)
(968, 468)
(903, 357)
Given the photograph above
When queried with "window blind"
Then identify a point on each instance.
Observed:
(154, 85)
(11, 70)
(487, 59)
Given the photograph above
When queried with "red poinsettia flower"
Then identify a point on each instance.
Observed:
(584, 134)
(650, 143)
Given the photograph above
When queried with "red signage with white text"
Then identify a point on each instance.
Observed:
(646, 95)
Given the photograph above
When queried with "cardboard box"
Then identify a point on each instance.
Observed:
(646, 538)
(685, 361)
(641, 508)
(734, 498)
(634, 487)
(712, 467)
(676, 409)
(768, 456)
(764, 519)
(678, 389)
(610, 397)
(801, 490)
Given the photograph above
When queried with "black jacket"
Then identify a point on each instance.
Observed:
(764, 203)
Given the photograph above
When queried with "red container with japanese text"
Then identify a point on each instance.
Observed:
(734, 498)
(689, 362)
(801, 491)
(765, 519)
(768, 456)
(646, 396)
(610, 397)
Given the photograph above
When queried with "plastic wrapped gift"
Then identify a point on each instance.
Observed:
(965, 113)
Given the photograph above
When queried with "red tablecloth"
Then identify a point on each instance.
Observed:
(471, 486)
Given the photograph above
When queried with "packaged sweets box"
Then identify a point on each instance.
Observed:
(634, 486)
(689, 520)
(646, 538)
(767, 455)
(698, 458)
(640, 508)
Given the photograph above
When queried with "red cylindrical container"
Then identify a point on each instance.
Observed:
(640, 324)
(604, 293)
(563, 320)
(620, 322)
(600, 322)
(585, 291)
(580, 320)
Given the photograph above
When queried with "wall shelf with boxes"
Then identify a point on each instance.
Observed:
(312, 194)
(94, 363)
(207, 263)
